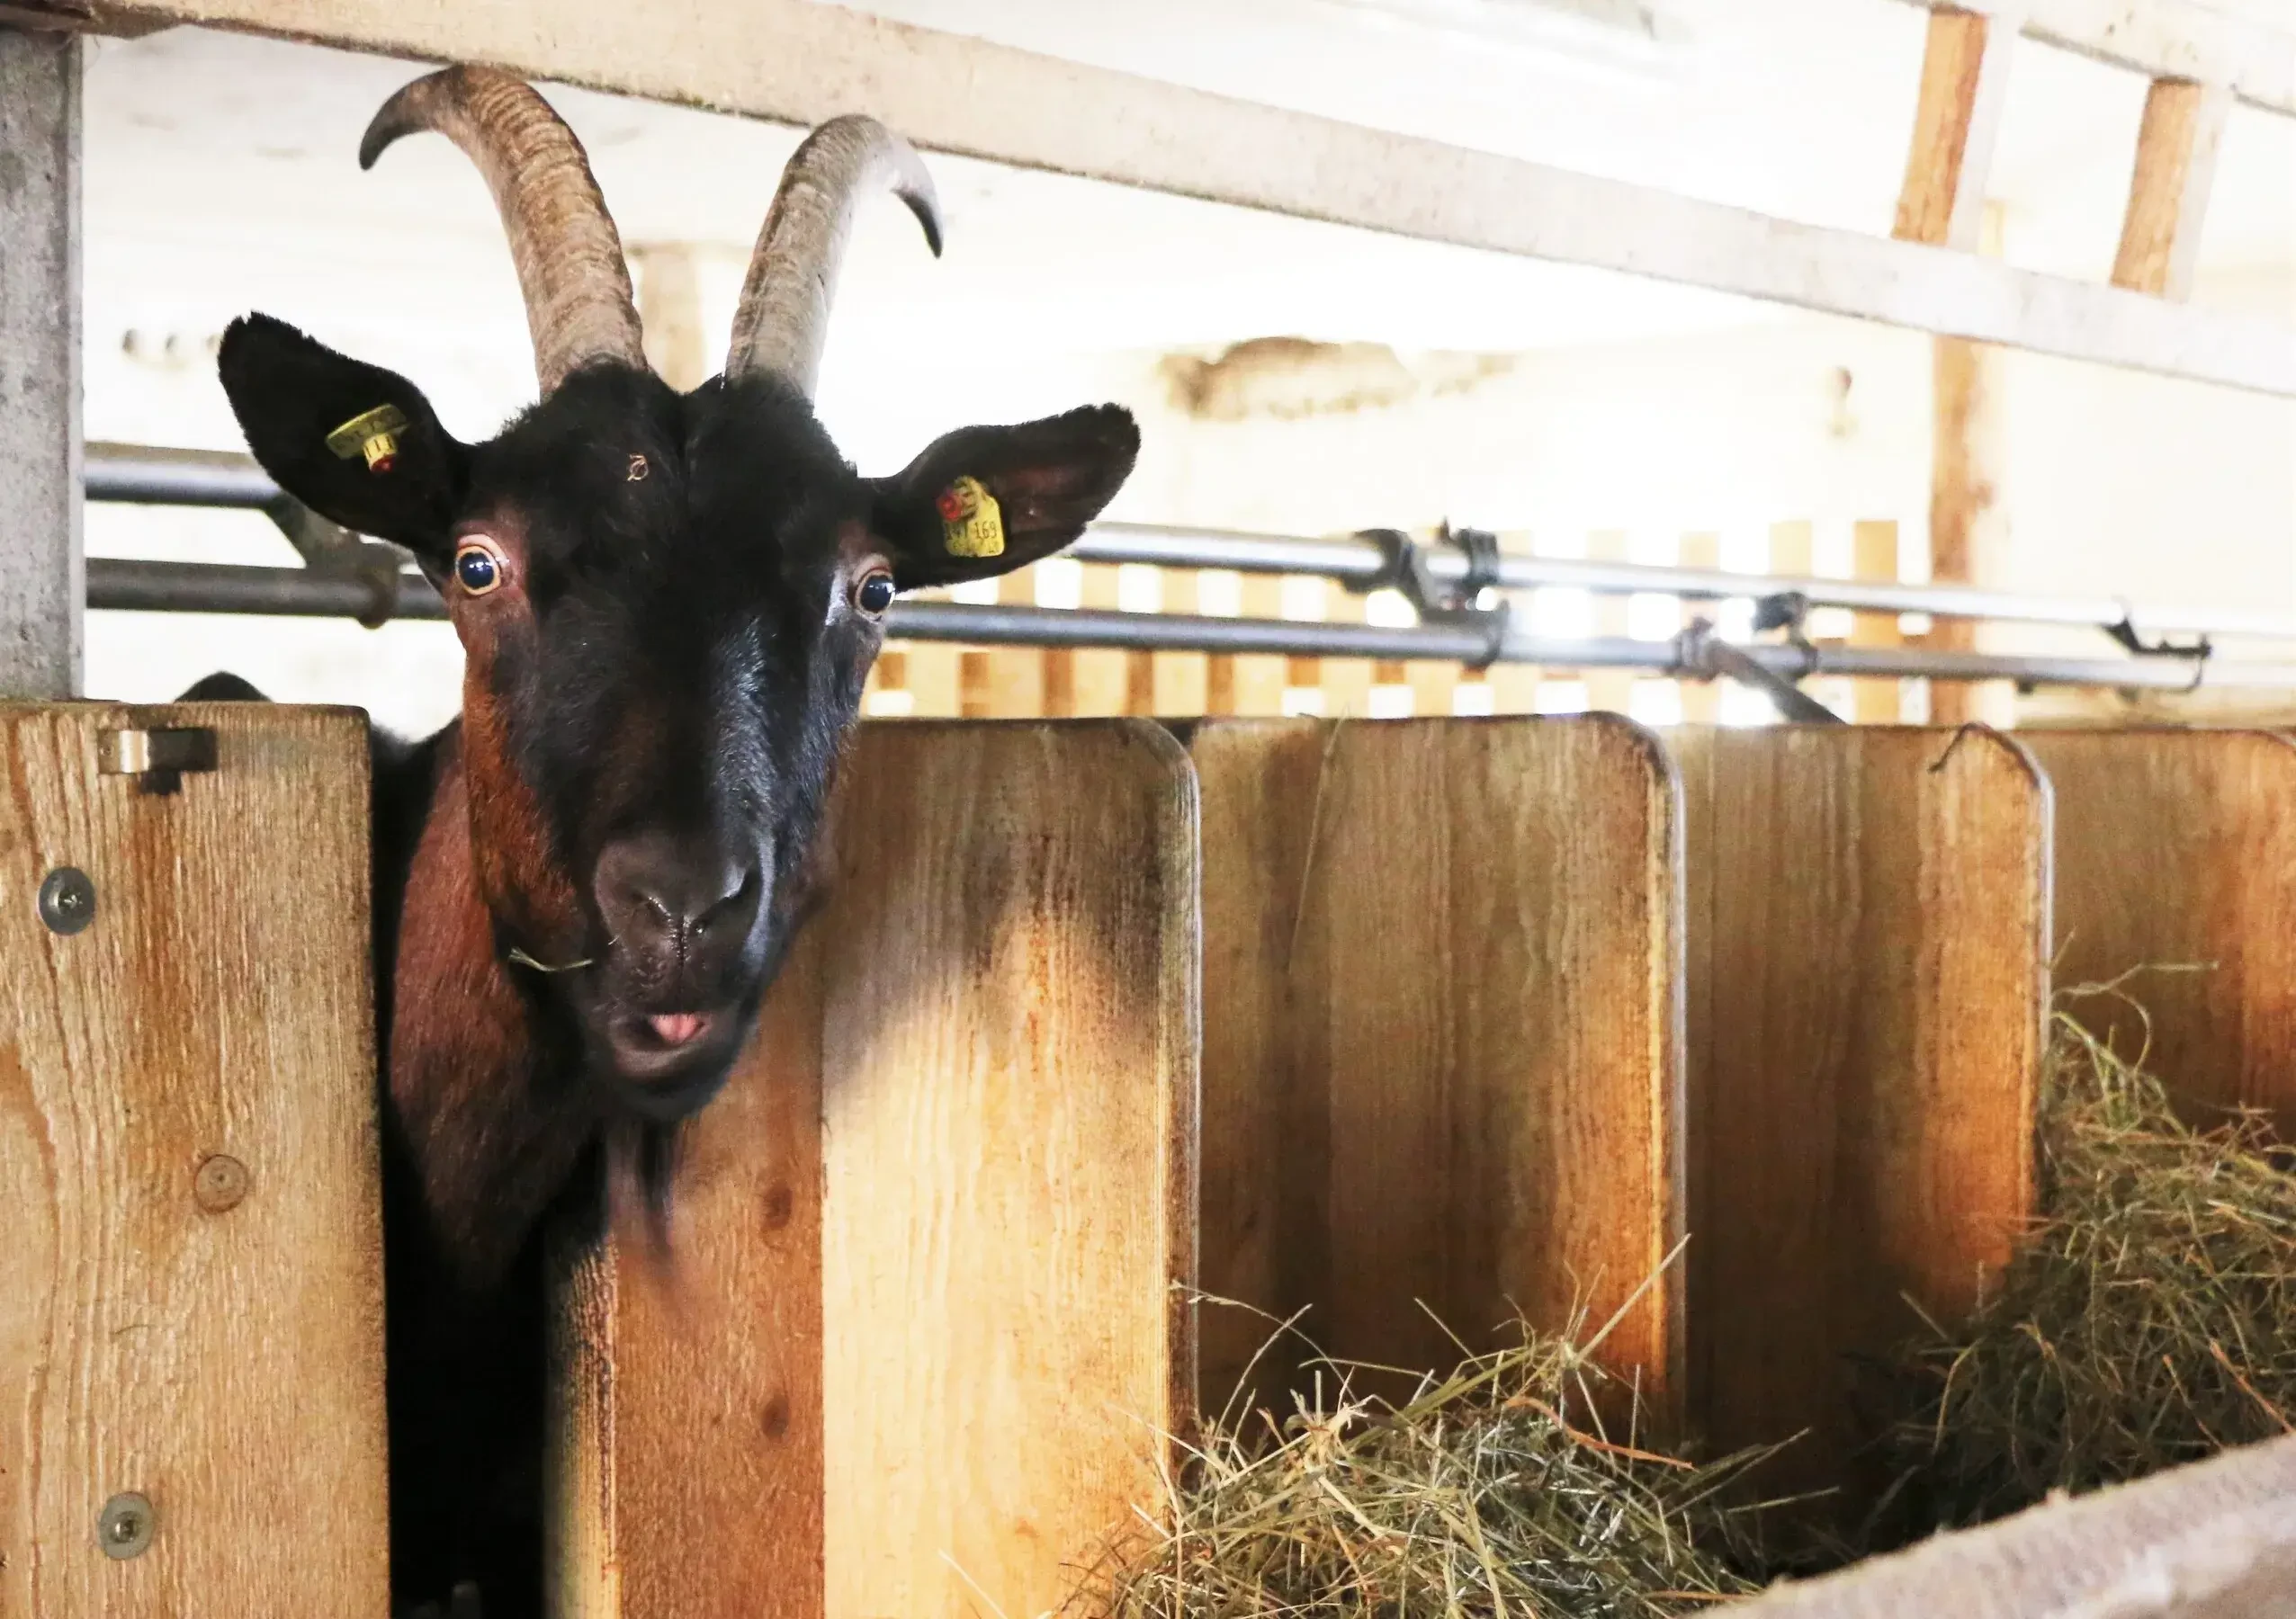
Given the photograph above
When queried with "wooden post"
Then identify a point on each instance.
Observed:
(42, 576)
(922, 1320)
(1441, 1038)
(1967, 523)
(191, 1283)
(1701, 699)
(1869, 945)
(1610, 690)
(1874, 557)
(2174, 848)
(1965, 82)
(2168, 198)
(669, 307)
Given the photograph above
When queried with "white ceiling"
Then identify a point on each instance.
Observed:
(220, 174)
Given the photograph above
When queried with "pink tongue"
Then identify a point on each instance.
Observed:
(676, 1028)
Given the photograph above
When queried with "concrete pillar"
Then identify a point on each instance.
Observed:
(42, 576)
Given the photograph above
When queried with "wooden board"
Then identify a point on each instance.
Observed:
(220, 1356)
(1441, 1036)
(2177, 847)
(924, 1321)
(1868, 948)
(977, 98)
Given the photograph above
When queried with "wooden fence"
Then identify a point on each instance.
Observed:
(941, 681)
(1495, 1013)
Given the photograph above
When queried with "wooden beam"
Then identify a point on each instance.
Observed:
(1968, 521)
(2213, 1541)
(42, 582)
(2163, 38)
(2169, 199)
(1964, 80)
(799, 62)
(670, 306)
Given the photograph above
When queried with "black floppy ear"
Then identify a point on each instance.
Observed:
(292, 395)
(984, 501)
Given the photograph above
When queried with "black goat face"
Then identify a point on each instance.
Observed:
(669, 604)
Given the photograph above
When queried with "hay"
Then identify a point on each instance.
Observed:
(2150, 1322)
(1482, 1494)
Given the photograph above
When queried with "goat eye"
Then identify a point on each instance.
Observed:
(874, 594)
(478, 569)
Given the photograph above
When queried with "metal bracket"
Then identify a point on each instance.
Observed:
(327, 548)
(156, 758)
(1403, 567)
(2199, 650)
(1706, 655)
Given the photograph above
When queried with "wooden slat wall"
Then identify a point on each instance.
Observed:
(2177, 847)
(222, 1358)
(1868, 943)
(922, 1329)
(1442, 1034)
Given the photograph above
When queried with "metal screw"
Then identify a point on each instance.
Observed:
(124, 1527)
(66, 900)
(219, 1183)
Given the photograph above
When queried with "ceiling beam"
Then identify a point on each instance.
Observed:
(797, 62)
(2163, 38)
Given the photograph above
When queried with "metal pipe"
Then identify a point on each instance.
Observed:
(144, 586)
(140, 475)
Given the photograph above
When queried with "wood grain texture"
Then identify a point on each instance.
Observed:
(1965, 83)
(2177, 847)
(227, 1365)
(1441, 1035)
(925, 1317)
(2168, 197)
(1868, 948)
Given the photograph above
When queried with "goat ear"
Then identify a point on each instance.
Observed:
(292, 394)
(1047, 478)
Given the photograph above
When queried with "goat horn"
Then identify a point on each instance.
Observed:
(783, 318)
(579, 304)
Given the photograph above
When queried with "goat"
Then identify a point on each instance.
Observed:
(667, 603)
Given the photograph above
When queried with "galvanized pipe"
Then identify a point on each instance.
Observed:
(146, 586)
(139, 474)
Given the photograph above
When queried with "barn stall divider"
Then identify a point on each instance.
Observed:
(191, 1273)
(1442, 1041)
(2177, 871)
(1869, 949)
(924, 1327)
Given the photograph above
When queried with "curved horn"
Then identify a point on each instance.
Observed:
(783, 316)
(579, 304)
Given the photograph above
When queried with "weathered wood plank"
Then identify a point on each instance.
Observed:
(2168, 196)
(1965, 84)
(923, 1321)
(2216, 1540)
(191, 1284)
(798, 62)
(1441, 1036)
(1868, 959)
(2177, 848)
(43, 581)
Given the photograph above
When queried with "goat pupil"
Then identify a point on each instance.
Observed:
(876, 592)
(476, 569)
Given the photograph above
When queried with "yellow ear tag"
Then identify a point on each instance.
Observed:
(971, 522)
(374, 435)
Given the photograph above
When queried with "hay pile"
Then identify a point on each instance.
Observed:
(1478, 1496)
(2150, 1322)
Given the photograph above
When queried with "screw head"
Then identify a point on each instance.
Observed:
(124, 1527)
(219, 1183)
(66, 900)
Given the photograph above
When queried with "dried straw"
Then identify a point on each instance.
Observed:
(2150, 1322)
(1483, 1494)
